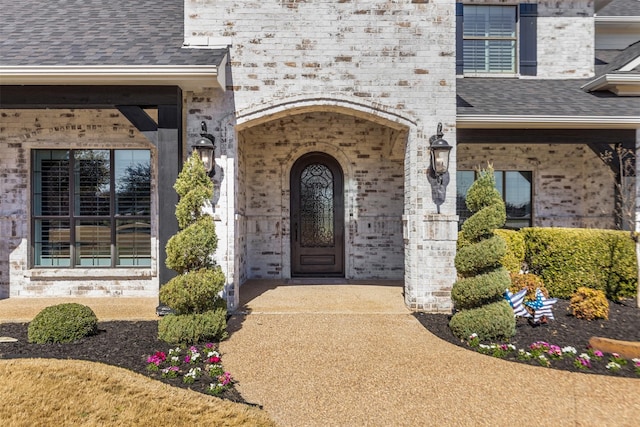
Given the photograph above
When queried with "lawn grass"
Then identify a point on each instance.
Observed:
(45, 392)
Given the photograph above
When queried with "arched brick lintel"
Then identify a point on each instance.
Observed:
(364, 109)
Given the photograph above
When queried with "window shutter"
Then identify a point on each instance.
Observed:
(528, 39)
(459, 44)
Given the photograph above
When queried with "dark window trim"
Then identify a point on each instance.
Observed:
(526, 54)
(504, 192)
(73, 219)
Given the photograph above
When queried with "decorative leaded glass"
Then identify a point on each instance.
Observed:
(316, 206)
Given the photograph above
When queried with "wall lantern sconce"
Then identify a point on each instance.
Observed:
(205, 148)
(439, 150)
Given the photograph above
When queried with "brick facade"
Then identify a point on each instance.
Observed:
(24, 130)
(566, 33)
(368, 84)
(572, 187)
(365, 81)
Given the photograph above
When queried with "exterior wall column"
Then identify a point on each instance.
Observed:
(227, 218)
(216, 109)
(429, 237)
(637, 206)
(169, 144)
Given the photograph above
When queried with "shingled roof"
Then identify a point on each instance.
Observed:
(539, 97)
(621, 8)
(622, 59)
(97, 32)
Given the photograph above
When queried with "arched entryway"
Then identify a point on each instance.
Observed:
(317, 216)
(368, 157)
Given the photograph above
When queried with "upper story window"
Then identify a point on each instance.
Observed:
(496, 40)
(489, 39)
(91, 208)
(516, 190)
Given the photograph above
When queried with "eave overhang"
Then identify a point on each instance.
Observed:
(187, 77)
(617, 20)
(627, 84)
(474, 121)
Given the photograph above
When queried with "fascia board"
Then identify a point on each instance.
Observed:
(187, 77)
(617, 19)
(470, 121)
(606, 81)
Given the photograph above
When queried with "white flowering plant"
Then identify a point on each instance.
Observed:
(551, 355)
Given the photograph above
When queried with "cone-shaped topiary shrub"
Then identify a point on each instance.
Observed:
(194, 295)
(478, 294)
(62, 323)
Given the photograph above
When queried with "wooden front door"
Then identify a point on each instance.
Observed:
(317, 217)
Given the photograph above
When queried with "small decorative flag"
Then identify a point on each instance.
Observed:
(542, 306)
(516, 300)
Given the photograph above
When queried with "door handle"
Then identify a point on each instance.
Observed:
(295, 231)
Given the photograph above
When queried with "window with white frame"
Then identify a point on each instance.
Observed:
(91, 208)
(515, 187)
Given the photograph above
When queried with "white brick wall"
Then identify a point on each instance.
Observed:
(374, 193)
(566, 32)
(24, 130)
(391, 63)
(572, 187)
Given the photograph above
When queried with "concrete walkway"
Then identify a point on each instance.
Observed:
(353, 355)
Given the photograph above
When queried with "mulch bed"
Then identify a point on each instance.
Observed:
(128, 344)
(121, 343)
(566, 330)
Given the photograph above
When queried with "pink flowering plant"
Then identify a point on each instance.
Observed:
(193, 364)
(551, 355)
(154, 362)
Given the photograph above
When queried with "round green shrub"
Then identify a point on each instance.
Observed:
(589, 304)
(192, 248)
(194, 291)
(193, 328)
(493, 321)
(62, 323)
(479, 290)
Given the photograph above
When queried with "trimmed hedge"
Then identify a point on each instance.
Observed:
(479, 290)
(193, 328)
(476, 259)
(569, 258)
(62, 323)
(491, 322)
(192, 248)
(194, 291)
(514, 257)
